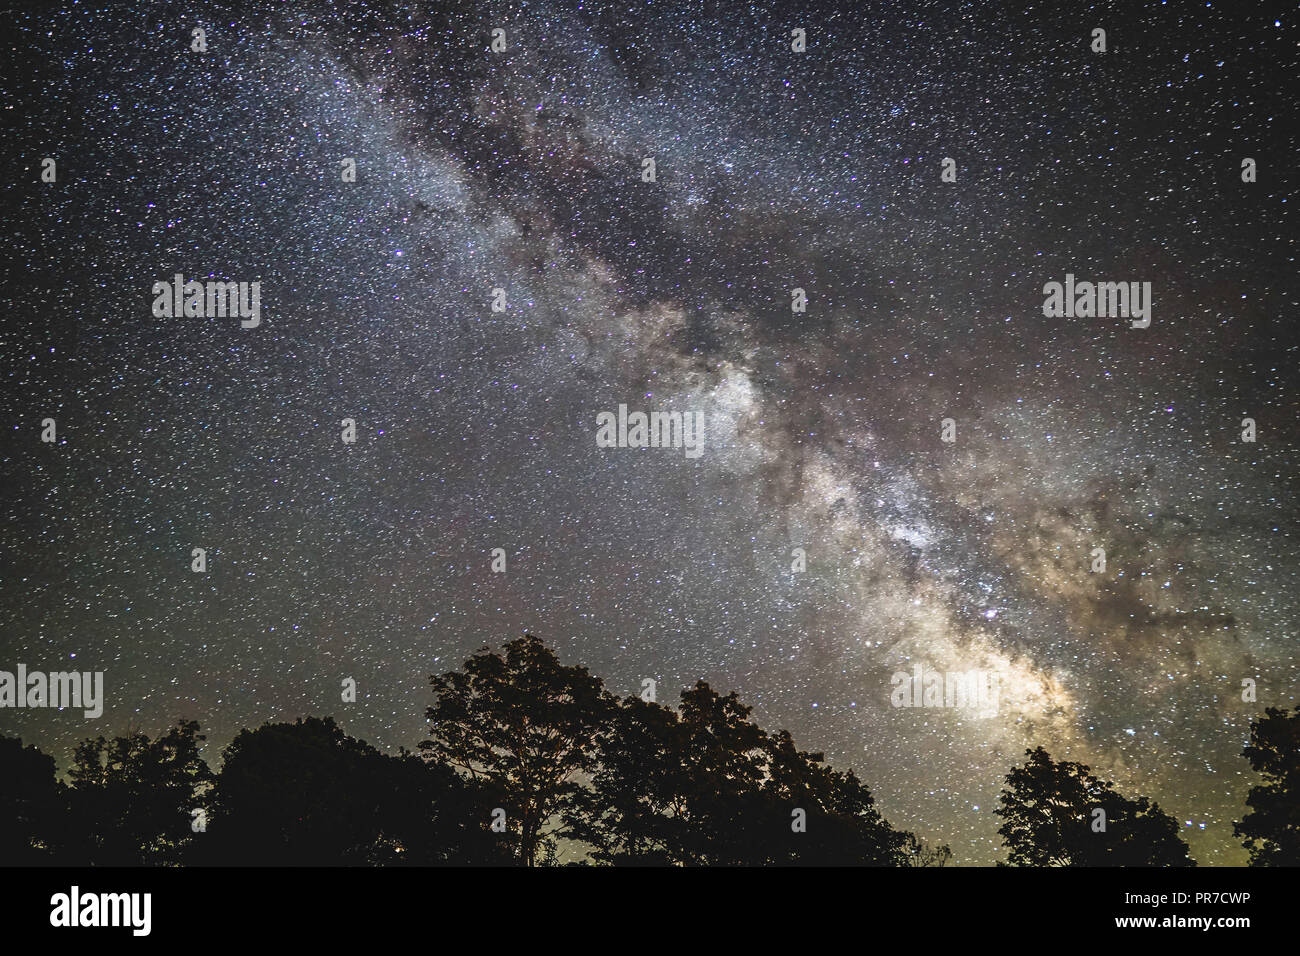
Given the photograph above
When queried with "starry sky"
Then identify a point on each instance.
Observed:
(521, 170)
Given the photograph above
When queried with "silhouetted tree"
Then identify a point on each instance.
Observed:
(635, 812)
(1049, 813)
(1271, 827)
(31, 804)
(722, 755)
(918, 853)
(526, 727)
(561, 759)
(433, 816)
(840, 825)
(307, 794)
(708, 786)
(132, 798)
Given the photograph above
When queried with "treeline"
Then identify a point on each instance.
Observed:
(528, 760)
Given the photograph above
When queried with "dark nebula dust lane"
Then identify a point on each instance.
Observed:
(522, 171)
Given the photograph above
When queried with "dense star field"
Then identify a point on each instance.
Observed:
(522, 170)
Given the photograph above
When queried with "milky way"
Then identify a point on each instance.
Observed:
(775, 170)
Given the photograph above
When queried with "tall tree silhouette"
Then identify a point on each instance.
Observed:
(708, 786)
(31, 801)
(1050, 818)
(1271, 827)
(722, 754)
(840, 825)
(526, 726)
(307, 794)
(132, 798)
(635, 811)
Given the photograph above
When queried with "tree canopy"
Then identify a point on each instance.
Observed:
(1060, 814)
(1271, 828)
(529, 761)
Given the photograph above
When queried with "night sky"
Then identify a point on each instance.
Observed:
(476, 429)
